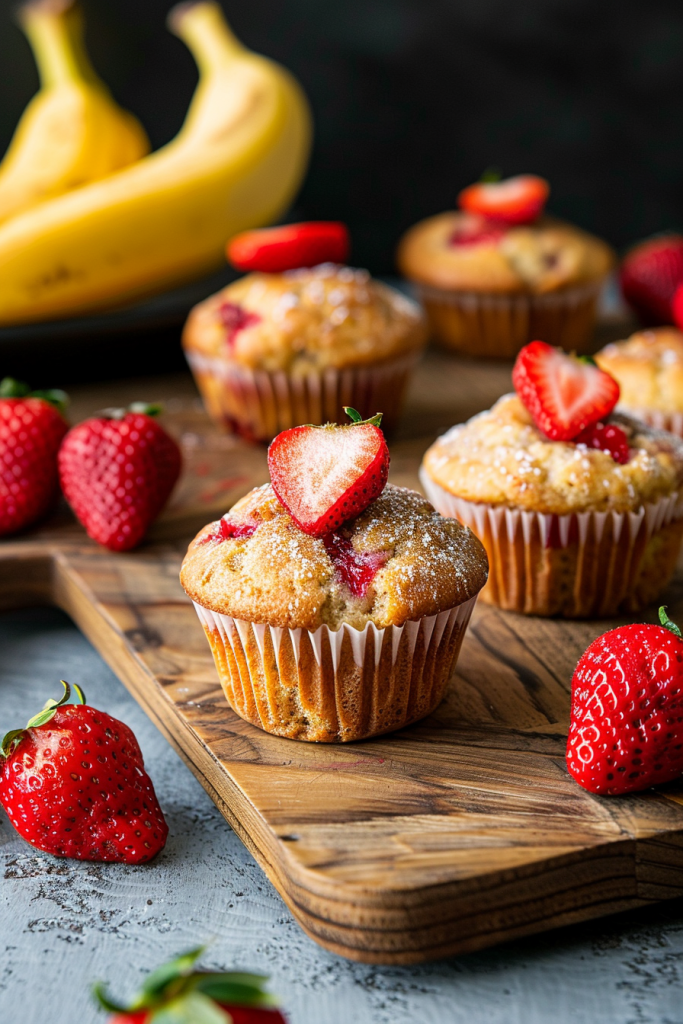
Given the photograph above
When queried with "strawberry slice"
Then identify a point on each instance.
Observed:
(563, 393)
(650, 275)
(518, 200)
(326, 475)
(273, 250)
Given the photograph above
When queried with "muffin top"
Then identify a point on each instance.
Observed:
(463, 251)
(501, 458)
(306, 320)
(397, 560)
(649, 369)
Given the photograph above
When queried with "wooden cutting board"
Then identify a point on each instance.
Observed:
(457, 833)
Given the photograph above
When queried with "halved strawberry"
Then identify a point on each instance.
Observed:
(273, 250)
(563, 393)
(650, 275)
(326, 475)
(518, 200)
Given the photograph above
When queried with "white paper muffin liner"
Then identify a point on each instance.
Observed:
(671, 421)
(489, 324)
(335, 685)
(577, 565)
(259, 403)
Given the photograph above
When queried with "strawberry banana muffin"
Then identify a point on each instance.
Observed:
(497, 273)
(579, 508)
(648, 367)
(335, 606)
(274, 350)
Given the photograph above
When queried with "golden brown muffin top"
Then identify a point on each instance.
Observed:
(284, 577)
(304, 320)
(542, 257)
(649, 369)
(501, 458)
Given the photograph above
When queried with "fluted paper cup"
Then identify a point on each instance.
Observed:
(671, 421)
(259, 404)
(580, 565)
(335, 686)
(498, 326)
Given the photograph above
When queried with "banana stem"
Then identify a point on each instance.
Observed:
(54, 29)
(202, 26)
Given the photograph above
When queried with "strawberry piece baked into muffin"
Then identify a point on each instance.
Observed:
(280, 348)
(497, 272)
(648, 367)
(335, 606)
(579, 508)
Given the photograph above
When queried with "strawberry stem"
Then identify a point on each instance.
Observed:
(358, 420)
(491, 175)
(668, 624)
(146, 408)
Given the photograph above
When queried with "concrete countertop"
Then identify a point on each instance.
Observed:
(64, 924)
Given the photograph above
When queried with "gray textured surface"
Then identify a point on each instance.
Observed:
(63, 924)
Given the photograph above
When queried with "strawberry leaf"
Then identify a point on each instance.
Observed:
(146, 408)
(11, 388)
(234, 988)
(357, 419)
(667, 623)
(10, 742)
(101, 997)
(491, 175)
(191, 1008)
(157, 984)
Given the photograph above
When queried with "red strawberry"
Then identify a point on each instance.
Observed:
(326, 475)
(117, 472)
(563, 393)
(356, 569)
(176, 991)
(476, 231)
(74, 784)
(273, 250)
(650, 274)
(518, 200)
(626, 729)
(31, 430)
(607, 437)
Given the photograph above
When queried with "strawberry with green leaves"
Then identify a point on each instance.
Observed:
(73, 783)
(326, 475)
(32, 426)
(177, 993)
(117, 472)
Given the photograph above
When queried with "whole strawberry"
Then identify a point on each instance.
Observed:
(117, 471)
(326, 475)
(626, 729)
(31, 430)
(650, 274)
(73, 783)
(177, 992)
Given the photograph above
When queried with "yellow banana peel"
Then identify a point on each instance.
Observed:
(236, 163)
(72, 131)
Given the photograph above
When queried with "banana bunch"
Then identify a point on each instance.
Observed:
(72, 132)
(236, 163)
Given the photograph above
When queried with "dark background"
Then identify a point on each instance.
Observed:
(412, 99)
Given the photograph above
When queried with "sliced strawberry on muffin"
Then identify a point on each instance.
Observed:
(518, 200)
(326, 475)
(564, 394)
(273, 250)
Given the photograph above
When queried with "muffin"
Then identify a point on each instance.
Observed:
(649, 369)
(489, 285)
(275, 350)
(568, 529)
(334, 638)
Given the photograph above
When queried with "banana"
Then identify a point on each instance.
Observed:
(236, 163)
(72, 132)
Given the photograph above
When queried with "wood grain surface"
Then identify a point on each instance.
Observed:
(457, 833)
